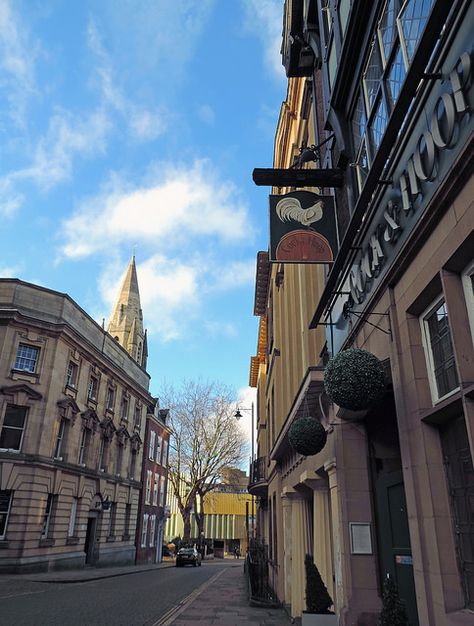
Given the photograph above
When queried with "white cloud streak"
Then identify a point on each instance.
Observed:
(264, 18)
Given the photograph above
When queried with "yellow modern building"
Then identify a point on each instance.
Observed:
(227, 512)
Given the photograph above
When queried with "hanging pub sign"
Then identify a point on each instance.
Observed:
(302, 228)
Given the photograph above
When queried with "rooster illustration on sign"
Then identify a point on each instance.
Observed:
(291, 209)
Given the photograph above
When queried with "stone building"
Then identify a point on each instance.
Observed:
(73, 403)
(391, 86)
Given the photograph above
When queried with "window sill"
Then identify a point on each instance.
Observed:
(47, 542)
(72, 541)
(30, 375)
(110, 539)
(4, 544)
(126, 537)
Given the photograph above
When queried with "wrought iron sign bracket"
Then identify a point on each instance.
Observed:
(364, 317)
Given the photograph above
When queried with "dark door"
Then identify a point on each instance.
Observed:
(394, 539)
(460, 475)
(89, 545)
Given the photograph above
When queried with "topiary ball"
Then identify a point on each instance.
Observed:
(354, 379)
(307, 436)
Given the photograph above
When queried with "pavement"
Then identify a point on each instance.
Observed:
(220, 601)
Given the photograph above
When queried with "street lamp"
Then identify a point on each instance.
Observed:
(238, 415)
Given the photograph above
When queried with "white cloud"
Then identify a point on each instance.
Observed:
(265, 19)
(236, 274)
(246, 397)
(220, 329)
(144, 124)
(186, 203)
(10, 271)
(206, 114)
(17, 59)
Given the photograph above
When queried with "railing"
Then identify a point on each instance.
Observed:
(257, 569)
(257, 471)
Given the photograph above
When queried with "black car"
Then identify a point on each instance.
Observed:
(188, 556)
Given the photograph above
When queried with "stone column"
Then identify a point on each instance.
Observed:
(287, 544)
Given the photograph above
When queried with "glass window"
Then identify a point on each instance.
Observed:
(468, 282)
(5, 504)
(148, 487)
(362, 165)
(71, 377)
(378, 125)
(112, 518)
(118, 460)
(47, 517)
(92, 389)
(396, 76)
(440, 353)
(156, 485)
(332, 62)
(372, 74)
(126, 523)
(124, 411)
(359, 121)
(26, 358)
(151, 446)
(137, 417)
(152, 530)
(162, 491)
(133, 462)
(60, 438)
(144, 529)
(13, 427)
(344, 10)
(110, 398)
(411, 23)
(388, 28)
(164, 460)
(83, 447)
(72, 518)
(158, 449)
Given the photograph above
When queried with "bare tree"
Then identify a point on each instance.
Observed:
(206, 439)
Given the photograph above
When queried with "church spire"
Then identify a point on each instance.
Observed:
(126, 321)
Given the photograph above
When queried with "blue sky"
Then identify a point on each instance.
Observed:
(134, 125)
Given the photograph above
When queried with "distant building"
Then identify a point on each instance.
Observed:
(226, 520)
(73, 403)
(151, 512)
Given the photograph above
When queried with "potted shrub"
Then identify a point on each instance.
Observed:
(355, 379)
(318, 600)
(307, 436)
(393, 611)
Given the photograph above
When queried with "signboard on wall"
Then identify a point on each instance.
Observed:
(302, 228)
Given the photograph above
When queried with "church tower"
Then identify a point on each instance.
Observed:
(126, 322)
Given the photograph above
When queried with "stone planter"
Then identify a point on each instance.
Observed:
(317, 619)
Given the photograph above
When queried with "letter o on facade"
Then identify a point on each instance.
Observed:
(424, 160)
(443, 122)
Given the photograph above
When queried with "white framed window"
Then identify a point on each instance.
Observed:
(151, 446)
(148, 487)
(144, 530)
(109, 404)
(92, 388)
(11, 436)
(6, 497)
(162, 491)
(60, 439)
(468, 284)
(158, 449)
(152, 530)
(83, 445)
(156, 484)
(71, 376)
(164, 458)
(26, 358)
(72, 518)
(47, 517)
(439, 351)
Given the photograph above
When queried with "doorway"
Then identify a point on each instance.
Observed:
(90, 542)
(392, 532)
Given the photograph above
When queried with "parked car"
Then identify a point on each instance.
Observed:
(188, 556)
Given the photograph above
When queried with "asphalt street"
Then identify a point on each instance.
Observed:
(139, 599)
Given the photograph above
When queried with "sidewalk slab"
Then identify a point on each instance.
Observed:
(225, 603)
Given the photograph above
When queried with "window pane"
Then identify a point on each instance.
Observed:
(15, 416)
(378, 125)
(5, 500)
(372, 74)
(413, 19)
(362, 166)
(359, 122)
(442, 351)
(332, 65)
(396, 76)
(388, 27)
(26, 358)
(344, 10)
